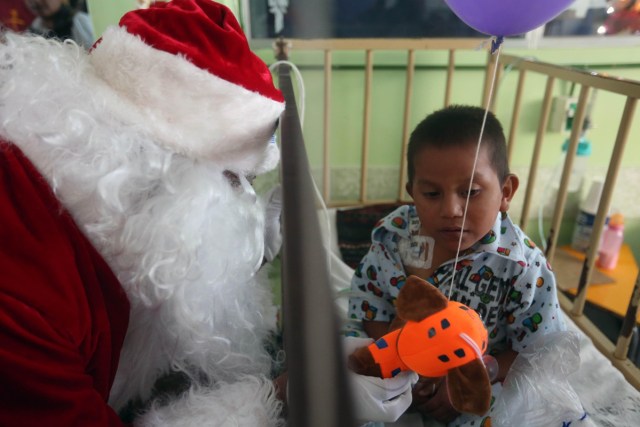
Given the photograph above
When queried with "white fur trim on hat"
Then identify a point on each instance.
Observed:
(187, 109)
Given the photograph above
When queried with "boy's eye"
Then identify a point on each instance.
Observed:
(431, 194)
(471, 193)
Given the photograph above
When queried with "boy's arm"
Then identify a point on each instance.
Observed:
(369, 299)
(505, 360)
(532, 307)
(375, 329)
(378, 329)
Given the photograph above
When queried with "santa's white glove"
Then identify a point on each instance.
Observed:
(377, 399)
(272, 229)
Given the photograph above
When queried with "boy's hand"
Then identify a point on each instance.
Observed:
(431, 398)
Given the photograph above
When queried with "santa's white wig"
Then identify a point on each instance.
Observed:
(185, 244)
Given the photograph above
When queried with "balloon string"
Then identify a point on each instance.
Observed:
(473, 170)
(496, 43)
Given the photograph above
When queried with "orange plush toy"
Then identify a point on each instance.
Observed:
(439, 338)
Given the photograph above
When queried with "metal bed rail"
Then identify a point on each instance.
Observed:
(318, 394)
(629, 92)
(369, 47)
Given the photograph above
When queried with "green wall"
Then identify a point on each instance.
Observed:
(108, 12)
(388, 92)
(104, 13)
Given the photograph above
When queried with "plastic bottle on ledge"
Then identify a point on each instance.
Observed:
(576, 179)
(578, 173)
(612, 238)
(586, 217)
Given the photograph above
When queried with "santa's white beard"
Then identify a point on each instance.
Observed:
(197, 304)
(185, 244)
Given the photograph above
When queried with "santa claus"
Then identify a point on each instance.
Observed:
(130, 239)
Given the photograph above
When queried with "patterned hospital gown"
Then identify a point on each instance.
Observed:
(504, 277)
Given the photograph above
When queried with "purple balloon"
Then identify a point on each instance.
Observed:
(507, 17)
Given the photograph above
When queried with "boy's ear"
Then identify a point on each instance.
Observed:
(509, 188)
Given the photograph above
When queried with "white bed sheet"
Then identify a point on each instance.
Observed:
(609, 400)
(607, 397)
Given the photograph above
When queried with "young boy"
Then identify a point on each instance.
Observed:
(500, 273)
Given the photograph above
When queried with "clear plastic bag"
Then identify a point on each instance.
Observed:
(537, 391)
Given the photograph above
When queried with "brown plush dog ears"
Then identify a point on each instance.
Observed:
(470, 388)
(418, 299)
(361, 362)
(469, 385)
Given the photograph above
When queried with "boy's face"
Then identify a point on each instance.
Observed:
(439, 190)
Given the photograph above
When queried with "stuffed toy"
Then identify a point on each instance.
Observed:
(131, 239)
(437, 338)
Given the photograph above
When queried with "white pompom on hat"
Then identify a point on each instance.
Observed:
(184, 71)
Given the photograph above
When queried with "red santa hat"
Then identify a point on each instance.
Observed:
(184, 72)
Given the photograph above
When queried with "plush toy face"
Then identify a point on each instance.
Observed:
(445, 340)
(439, 338)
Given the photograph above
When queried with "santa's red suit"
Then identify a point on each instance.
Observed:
(126, 251)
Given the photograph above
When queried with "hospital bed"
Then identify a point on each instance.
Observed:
(317, 198)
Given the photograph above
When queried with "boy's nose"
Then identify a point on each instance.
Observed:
(452, 207)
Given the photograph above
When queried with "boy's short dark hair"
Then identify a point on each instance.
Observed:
(459, 125)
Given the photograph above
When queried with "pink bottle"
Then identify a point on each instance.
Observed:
(611, 242)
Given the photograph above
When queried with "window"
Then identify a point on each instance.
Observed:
(419, 18)
(355, 18)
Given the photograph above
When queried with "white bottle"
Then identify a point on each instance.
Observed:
(576, 179)
(587, 216)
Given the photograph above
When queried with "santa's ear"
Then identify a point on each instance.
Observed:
(419, 299)
(362, 362)
(470, 388)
